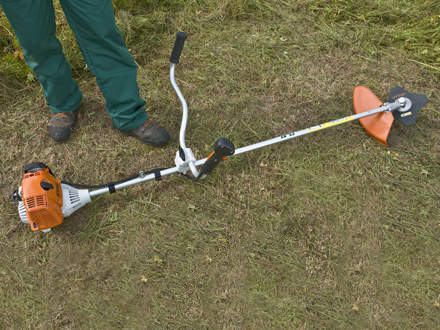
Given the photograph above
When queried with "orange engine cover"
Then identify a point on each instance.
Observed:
(43, 199)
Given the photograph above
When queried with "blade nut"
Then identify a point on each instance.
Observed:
(405, 104)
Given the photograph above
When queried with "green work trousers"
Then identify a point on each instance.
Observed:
(101, 44)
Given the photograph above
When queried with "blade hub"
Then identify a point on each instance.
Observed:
(405, 104)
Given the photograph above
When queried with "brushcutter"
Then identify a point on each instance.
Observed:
(44, 201)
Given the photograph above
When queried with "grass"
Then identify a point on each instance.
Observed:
(331, 230)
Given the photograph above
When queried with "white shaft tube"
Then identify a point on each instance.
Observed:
(282, 138)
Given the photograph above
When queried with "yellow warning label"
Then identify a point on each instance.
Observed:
(330, 124)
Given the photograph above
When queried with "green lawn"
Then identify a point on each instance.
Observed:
(331, 230)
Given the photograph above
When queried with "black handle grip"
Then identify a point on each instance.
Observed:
(178, 47)
(222, 148)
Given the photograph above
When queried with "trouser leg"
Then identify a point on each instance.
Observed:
(104, 50)
(34, 24)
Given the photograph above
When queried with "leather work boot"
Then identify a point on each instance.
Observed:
(150, 133)
(61, 125)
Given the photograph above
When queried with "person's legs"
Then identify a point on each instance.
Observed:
(34, 26)
(104, 50)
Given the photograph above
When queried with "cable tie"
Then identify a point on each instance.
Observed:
(157, 175)
(111, 187)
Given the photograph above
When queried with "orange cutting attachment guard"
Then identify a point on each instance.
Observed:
(378, 125)
(43, 199)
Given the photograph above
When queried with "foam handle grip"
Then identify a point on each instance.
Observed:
(178, 47)
(222, 148)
